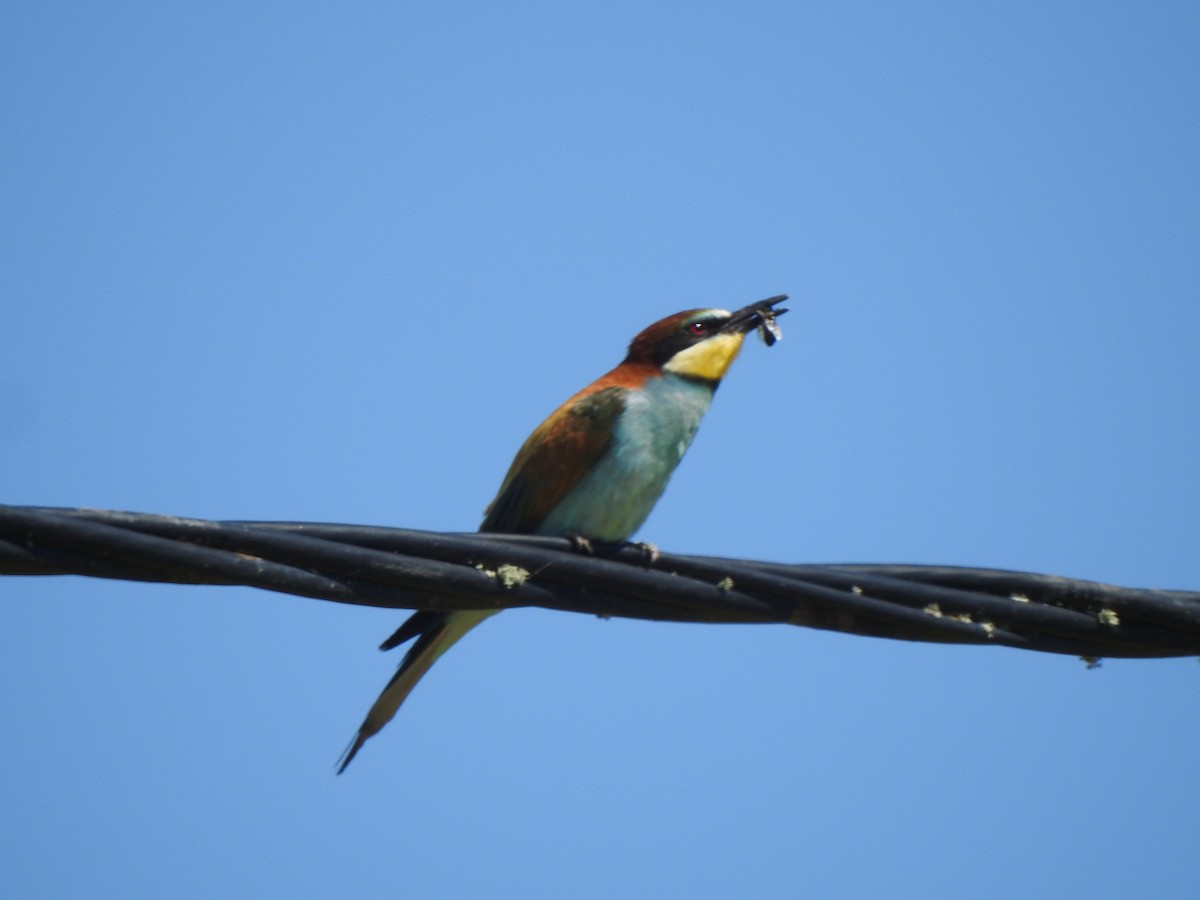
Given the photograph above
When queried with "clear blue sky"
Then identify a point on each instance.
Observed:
(334, 261)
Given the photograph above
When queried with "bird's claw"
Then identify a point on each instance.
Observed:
(649, 552)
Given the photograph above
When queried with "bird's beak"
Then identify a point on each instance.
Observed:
(756, 315)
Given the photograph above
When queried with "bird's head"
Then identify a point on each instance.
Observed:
(703, 343)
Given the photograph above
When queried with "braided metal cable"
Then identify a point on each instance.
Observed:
(407, 569)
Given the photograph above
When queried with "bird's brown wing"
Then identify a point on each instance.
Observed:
(553, 460)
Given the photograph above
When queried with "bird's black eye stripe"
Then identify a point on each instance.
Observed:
(687, 334)
(702, 328)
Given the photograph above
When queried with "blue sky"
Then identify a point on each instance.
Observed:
(334, 262)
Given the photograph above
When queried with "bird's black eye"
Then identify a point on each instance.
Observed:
(698, 328)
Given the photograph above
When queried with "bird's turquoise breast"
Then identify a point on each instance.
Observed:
(649, 439)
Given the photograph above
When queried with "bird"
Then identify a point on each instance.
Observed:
(594, 469)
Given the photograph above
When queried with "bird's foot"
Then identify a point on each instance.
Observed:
(649, 552)
(580, 544)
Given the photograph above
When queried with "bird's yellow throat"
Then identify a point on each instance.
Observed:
(709, 359)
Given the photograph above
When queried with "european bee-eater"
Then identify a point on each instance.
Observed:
(596, 467)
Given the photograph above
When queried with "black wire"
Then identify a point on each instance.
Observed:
(407, 569)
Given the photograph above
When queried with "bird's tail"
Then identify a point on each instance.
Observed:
(436, 632)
